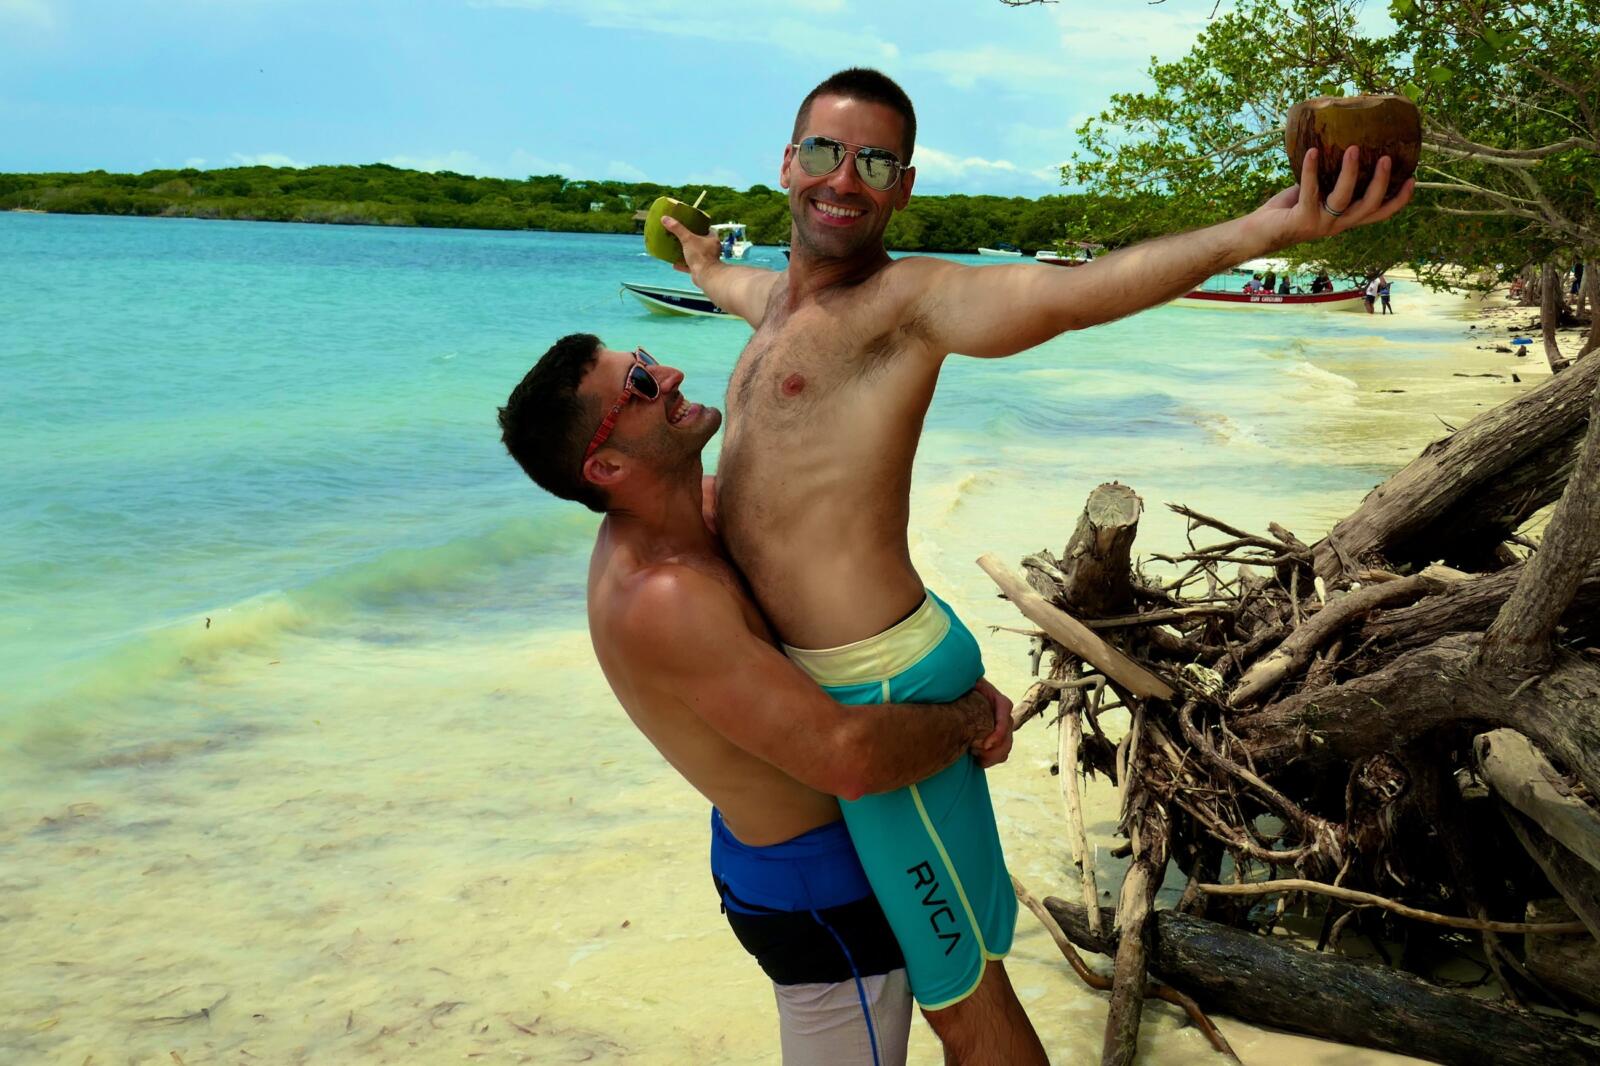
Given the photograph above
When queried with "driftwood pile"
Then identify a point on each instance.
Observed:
(1388, 738)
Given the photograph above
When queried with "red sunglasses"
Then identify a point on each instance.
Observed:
(639, 382)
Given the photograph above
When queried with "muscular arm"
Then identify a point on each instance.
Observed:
(684, 633)
(997, 311)
(742, 290)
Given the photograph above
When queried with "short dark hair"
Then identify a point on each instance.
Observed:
(546, 424)
(873, 86)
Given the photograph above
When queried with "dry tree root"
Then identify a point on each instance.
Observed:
(1311, 711)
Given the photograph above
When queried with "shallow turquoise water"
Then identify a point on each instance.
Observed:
(203, 418)
(296, 703)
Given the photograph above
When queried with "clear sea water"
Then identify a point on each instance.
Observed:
(298, 721)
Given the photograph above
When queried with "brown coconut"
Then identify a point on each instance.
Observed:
(1378, 125)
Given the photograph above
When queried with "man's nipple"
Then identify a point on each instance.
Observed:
(794, 384)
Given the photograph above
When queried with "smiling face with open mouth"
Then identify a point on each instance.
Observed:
(837, 215)
(656, 425)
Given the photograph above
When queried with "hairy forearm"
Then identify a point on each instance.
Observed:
(729, 286)
(898, 744)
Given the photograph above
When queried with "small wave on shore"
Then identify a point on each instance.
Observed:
(1309, 372)
(520, 567)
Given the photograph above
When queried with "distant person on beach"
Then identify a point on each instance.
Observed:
(825, 409)
(1383, 294)
(693, 662)
(1372, 293)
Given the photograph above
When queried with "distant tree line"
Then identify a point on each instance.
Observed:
(381, 195)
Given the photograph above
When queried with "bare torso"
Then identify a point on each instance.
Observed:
(824, 410)
(760, 804)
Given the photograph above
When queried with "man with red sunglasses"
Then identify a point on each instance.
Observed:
(825, 408)
(693, 662)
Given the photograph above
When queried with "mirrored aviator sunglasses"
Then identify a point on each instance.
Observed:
(878, 168)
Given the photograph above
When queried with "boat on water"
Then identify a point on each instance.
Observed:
(665, 300)
(1003, 250)
(1226, 292)
(1068, 253)
(731, 236)
(1339, 300)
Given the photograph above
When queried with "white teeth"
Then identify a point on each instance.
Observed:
(837, 211)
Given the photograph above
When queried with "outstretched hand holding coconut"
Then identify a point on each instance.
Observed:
(1366, 142)
(699, 251)
(1296, 215)
(1358, 151)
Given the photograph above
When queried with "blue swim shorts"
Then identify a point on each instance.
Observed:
(931, 850)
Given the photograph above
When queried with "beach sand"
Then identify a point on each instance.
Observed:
(418, 875)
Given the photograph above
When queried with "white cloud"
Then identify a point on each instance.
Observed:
(518, 165)
(458, 161)
(933, 164)
(1119, 40)
(523, 163)
(717, 176)
(815, 35)
(940, 172)
(194, 162)
(625, 171)
(1079, 45)
(264, 159)
(966, 68)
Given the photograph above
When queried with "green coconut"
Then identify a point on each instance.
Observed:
(1378, 125)
(663, 245)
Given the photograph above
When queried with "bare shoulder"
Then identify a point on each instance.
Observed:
(669, 606)
(916, 272)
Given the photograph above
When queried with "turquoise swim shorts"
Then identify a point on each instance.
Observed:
(931, 850)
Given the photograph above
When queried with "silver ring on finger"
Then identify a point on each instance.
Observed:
(1329, 208)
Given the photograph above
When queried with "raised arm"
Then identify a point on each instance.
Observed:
(997, 311)
(740, 289)
(685, 633)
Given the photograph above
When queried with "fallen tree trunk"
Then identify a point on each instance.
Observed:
(1467, 607)
(1431, 506)
(1335, 998)
(1422, 690)
(1520, 776)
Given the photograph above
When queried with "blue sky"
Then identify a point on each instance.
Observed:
(660, 90)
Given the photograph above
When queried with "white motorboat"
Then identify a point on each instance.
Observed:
(731, 236)
(1004, 250)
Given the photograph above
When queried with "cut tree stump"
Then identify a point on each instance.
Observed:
(1098, 558)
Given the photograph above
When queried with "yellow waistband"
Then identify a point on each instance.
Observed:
(879, 658)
